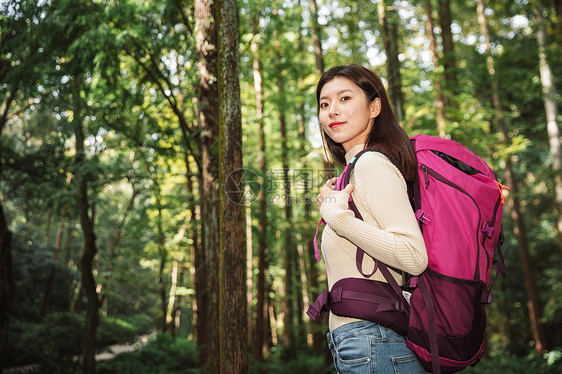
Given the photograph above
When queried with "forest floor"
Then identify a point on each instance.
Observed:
(113, 350)
(108, 353)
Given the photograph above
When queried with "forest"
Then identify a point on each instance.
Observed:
(160, 162)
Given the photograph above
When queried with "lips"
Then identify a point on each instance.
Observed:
(336, 124)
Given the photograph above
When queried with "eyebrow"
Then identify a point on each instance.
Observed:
(338, 93)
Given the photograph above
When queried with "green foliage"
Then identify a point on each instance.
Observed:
(162, 355)
(549, 363)
(53, 344)
(32, 267)
(115, 331)
(56, 342)
(307, 361)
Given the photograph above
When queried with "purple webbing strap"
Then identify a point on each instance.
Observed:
(359, 254)
(320, 306)
(390, 279)
(502, 270)
(338, 187)
(316, 250)
(384, 304)
(343, 180)
(433, 345)
(500, 267)
(359, 263)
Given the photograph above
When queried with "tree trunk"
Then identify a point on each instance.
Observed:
(115, 238)
(449, 61)
(389, 29)
(249, 267)
(289, 308)
(196, 252)
(314, 327)
(118, 233)
(233, 327)
(208, 271)
(163, 257)
(8, 286)
(5, 108)
(316, 39)
(513, 203)
(558, 10)
(272, 317)
(68, 261)
(89, 249)
(551, 109)
(316, 33)
(51, 279)
(429, 26)
(259, 345)
(170, 310)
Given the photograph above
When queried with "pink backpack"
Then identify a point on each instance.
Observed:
(459, 205)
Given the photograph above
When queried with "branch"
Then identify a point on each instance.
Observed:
(184, 16)
(151, 72)
(5, 107)
(186, 130)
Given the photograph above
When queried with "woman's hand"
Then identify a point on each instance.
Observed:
(328, 190)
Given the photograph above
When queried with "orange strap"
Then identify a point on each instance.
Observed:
(502, 187)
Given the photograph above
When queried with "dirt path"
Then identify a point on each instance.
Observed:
(109, 353)
(116, 349)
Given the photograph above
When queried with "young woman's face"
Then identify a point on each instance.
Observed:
(345, 114)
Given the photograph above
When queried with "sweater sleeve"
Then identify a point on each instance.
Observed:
(393, 235)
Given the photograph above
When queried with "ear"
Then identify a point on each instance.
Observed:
(375, 107)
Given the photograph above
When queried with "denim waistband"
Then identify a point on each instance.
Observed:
(362, 328)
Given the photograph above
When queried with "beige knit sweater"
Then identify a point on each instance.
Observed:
(389, 232)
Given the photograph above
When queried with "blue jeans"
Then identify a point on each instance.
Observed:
(364, 347)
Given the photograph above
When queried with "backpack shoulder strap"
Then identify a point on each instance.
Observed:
(359, 255)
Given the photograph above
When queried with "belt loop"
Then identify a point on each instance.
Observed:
(383, 332)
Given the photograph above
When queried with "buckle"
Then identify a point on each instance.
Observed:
(423, 217)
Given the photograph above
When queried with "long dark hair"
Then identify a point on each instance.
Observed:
(386, 132)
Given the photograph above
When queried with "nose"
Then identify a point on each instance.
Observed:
(333, 110)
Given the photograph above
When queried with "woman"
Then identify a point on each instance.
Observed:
(354, 113)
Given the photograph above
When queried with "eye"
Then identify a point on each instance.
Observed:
(323, 105)
(345, 98)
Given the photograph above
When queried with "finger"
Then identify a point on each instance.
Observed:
(329, 183)
(349, 189)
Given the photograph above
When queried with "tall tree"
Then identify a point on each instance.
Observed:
(89, 248)
(233, 325)
(389, 23)
(316, 33)
(558, 11)
(514, 205)
(207, 273)
(8, 286)
(51, 279)
(313, 273)
(551, 110)
(316, 38)
(439, 103)
(289, 248)
(162, 252)
(260, 327)
(449, 60)
(13, 53)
